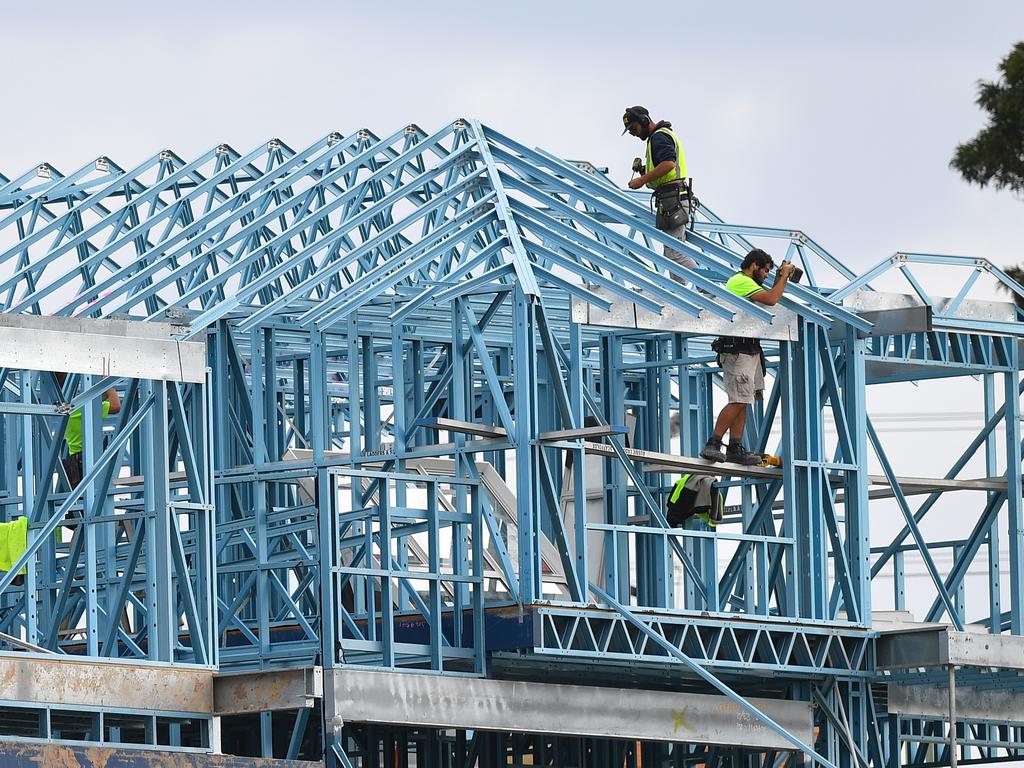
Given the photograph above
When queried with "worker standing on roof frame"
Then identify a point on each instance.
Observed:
(665, 174)
(742, 360)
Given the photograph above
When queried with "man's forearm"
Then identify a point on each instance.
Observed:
(115, 402)
(658, 171)
(779, 287)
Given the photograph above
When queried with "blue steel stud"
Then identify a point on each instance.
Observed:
(402, 366)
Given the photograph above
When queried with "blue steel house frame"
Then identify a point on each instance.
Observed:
(404, 412)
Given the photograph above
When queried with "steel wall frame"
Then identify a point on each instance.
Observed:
(120, 565)
(395, 367)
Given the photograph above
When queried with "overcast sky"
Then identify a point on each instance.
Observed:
(838, 119)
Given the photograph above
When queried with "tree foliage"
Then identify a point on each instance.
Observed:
(996, 155)
(1017, 273)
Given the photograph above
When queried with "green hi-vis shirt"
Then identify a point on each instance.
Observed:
(13, 541)
(73, 434)
(743, 285)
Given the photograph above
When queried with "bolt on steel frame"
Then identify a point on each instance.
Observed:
(449, 382)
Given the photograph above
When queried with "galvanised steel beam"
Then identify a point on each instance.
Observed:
(109, 348)
(373, 696)
(62, 681)
(22, 752)
(391, 332)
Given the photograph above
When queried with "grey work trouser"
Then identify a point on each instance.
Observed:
(678, 256)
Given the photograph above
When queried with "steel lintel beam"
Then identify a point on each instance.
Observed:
(971, 703)
(70, 682)
(29, 754)
(532, 707)
(267, 690)
(627, 314)
(941, 646)
(138, 350)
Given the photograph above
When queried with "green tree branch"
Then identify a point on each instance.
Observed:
(996, 155)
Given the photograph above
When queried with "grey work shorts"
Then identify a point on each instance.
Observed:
(744, 379)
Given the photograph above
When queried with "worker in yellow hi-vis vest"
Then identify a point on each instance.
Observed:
(664, 172)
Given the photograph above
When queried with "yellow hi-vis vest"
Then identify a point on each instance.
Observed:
(679, 172)
(13, 542)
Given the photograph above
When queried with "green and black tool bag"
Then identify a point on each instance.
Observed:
(694, 494)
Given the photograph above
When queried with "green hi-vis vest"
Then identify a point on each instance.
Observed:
(678, 489)
(13, 542)
(679, 172)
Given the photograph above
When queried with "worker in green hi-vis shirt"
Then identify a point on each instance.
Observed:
(742, 362)
(73, 432)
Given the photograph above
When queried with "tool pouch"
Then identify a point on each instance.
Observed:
(733, 345)
(670, 206)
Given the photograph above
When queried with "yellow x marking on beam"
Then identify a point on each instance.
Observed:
(680, 720)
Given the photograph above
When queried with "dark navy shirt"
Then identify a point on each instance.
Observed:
(662, 146)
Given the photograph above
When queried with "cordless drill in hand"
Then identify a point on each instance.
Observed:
(795, 273)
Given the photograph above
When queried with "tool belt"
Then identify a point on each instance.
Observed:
(735, 345)
(671, 203)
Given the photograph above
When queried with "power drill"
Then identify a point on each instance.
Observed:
(796, 272)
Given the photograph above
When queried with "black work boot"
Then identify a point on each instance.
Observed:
(736, 454)
(712, 450)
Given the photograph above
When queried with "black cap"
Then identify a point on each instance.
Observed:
(633, 115)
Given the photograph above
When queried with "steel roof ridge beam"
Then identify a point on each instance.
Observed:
(527, 281)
